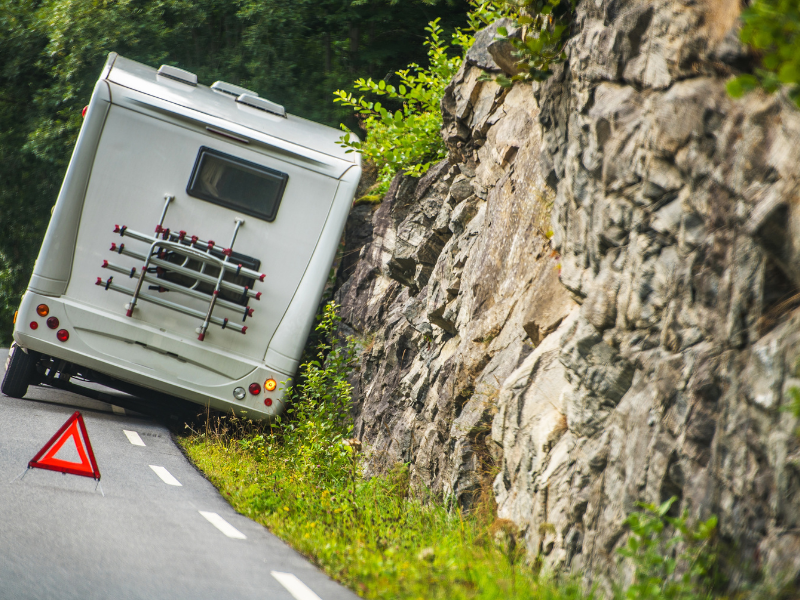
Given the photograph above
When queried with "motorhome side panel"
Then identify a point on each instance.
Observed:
(54, 263)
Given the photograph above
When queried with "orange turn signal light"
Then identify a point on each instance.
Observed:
(43, 310)
(270, 385)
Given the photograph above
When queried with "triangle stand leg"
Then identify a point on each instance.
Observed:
(21, 475)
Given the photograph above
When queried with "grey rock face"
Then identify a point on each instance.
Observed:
(597, 294)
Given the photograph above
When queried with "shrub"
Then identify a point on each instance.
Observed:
(771, 27)
(679, 566)
(542, 28)
(407, 139)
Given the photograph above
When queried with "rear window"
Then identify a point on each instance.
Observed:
(238, 184)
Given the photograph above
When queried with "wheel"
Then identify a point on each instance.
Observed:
(20, 369)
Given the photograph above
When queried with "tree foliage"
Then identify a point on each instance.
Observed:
(295, 52)
(772, 28)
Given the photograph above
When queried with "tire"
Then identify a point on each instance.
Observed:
(19, 372)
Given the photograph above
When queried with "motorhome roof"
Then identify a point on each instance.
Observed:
(254, 113)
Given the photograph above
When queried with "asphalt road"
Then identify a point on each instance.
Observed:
(141, 537)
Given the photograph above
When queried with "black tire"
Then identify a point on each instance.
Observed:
(19, 373)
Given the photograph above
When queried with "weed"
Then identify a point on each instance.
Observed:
(680, 566)
(772, 28)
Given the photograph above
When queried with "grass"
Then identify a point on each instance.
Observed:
(372, 535)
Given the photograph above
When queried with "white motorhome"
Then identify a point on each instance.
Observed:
(189, 246)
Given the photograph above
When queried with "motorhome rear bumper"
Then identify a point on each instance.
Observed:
(134, 352)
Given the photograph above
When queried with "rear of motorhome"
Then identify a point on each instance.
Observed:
(189, 246)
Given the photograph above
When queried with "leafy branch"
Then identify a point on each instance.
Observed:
(772, 28)
(540, 33)
(406, 139)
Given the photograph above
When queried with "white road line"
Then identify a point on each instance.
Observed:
(294, 586)
(223, 525)
(133, 438)
(165, 475)
(117, 410)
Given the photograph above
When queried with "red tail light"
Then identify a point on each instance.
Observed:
(255, 389)
(52, 323)
(62, 335)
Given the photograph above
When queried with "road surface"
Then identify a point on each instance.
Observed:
(158, 529)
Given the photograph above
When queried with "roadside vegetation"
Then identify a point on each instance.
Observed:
(771, 28)
(302, 477)
(401, 113)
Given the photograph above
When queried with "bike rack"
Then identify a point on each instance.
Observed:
(190, 248)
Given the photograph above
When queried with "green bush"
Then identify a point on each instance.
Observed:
(542, 28)
(672, 559)
(771, 27)
(403, 122)
(406, 139)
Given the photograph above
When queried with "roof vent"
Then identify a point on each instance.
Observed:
(262, 104)
(178, 75)
(232, 90)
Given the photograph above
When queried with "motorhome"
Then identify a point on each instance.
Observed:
(189, 246)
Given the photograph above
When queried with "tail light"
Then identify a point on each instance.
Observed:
(62, 335)
(270, 385)
(255, 389)
(43, 310)
(239, 393)
(52, 323)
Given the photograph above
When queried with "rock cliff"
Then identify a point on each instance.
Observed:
(593, 300)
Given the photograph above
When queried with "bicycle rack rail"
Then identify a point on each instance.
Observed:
(190, 248)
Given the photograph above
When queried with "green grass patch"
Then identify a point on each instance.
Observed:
(371, 534)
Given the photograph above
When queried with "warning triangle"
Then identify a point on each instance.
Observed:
(45, 458)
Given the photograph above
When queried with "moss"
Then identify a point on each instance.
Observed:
(369, 199)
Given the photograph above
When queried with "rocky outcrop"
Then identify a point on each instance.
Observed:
(592, 301)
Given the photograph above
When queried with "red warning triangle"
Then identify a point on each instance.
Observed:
(69, 430)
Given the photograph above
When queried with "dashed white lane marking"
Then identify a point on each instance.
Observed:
(133, 438)
(165, 475)
(118, 410)
(223, 525)
(294, 586)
